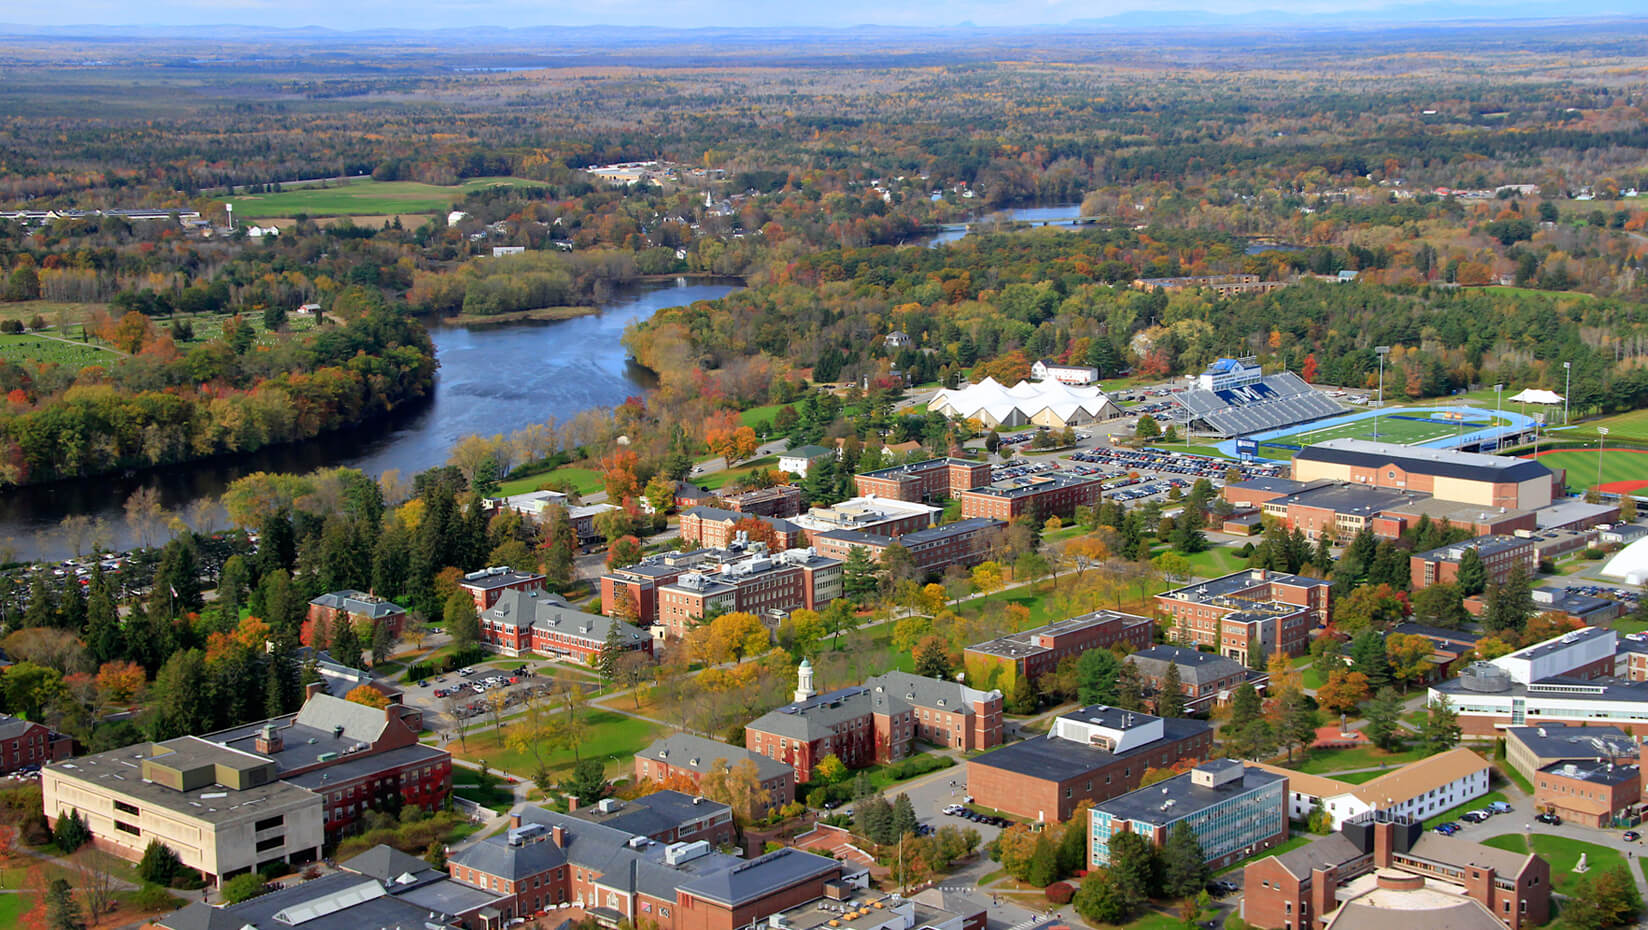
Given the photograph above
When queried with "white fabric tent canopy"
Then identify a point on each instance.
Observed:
(1535, 396)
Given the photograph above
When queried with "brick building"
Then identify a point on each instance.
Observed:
(1499, 554)
(358, 607)
(1249, 615)
(1036, 496)
(549, 859)
(1529, 749)
(715, 528)
(876, 722)
(1032, 653)
(965, 543)
(1589, 792)
(683, 755)
(26, 744)
(1092, 754)
(1342, 509)
(1205, 679)
(1301, 888)
(530, 621)
(1467, 477)
(759, 583)
(783, 500)
(488, 584)
(1572, 605)
(664, 817)
(934, 479)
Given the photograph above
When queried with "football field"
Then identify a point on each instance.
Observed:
(1404, 427)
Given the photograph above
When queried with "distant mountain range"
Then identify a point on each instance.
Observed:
(1462, 15)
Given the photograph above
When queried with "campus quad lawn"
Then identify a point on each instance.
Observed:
(611, 737)
(491, 789)
(13, 907)
(1217, 562)
(1561, 852)
(362, 197)
(1617, 464)
(585, 480)
(1471, 805)
(1328, 761)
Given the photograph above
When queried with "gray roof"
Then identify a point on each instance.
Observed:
(1448, 463)
(1569, 510)
(13, 727)
(1570, 742)
(488, 578)
(312, 731)
(494, 856)
(1145, 804)
(549, 612)
(698, 754)
(1456, 851)
(816, 716)
(365, 903)
(446, 897)
(1484, 546)
(1022, 643)
(1195, 667)
(347, 768)
(1277, 485)
(386, 863)
(1057, 759)
(659, 812)
(1331, 850)
(1351, 498)
(359, 602)
(759, 877)
(1438, 635)
(808, 452)
(1597, 773)
(111, 772)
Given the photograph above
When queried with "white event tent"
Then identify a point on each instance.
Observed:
(1043, 403)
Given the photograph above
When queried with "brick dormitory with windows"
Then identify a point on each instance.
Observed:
(999, 663)
(488, 584)
(545, 624)
(1500, 555)
(1205, 679)
(965, 543)
(683, 755)
(715, 527)
(921, 482)
(1249, 615)
(1092, 754)
(233, 801)
(755, 582)
(25, 744)
(1038, 497)
(876, 722)
(358, 607)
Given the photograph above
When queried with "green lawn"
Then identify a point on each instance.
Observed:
(1326, 761)
(1470, 805)
(1395, 426)
(1217, 562)
(1291, 843)
(755, 416)
(1561, 852)
(1617, 464)
(490, 789)
(584, 480)
(362, 197)
(1357, 778)
(1509, 771)
(717, 480)
(613, 738)
(13, 907)
(27, 347)
(1634, 423)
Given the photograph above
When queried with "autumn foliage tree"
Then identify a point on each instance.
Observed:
(367, 695)
(1343, 691)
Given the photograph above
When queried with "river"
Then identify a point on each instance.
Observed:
(1061, 215)
(492, 380)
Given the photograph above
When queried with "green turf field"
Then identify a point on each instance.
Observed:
(1393, 427)
(1617, 465)
(362, 197)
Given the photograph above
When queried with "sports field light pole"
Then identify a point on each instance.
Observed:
(1498, 391)
(1380, 351)
(1602, 436)
(1567, 388)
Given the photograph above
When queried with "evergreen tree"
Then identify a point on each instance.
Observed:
(232, 584)
(1439, 732)
(863, 787)
(1322, 559)
(277, 546)
(62, 910)
(462, 624)
(931, 659)
(1384, 719)
(1367, 655)
(1101, 899)
(41, 609)
(1097, 672)
(1298, 722)
(1129, 688)
(1044, 862)
(1170, 702)
(180, 702)
(588, 782)
(1021, 699)
(103, 634)
(612, 648)
(1184, 864)
(346, 645)
(1244, 705)
(875, 819)
(1473, 575)
(1133, 863)
(1509, 605)
(71, 832)
(159, 865)
(858, 574)
(904, 816)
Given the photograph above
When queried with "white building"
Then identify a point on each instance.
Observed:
(1227, 373)
(1419, 789)
(1044, 403)
(1048, 370)
(1566, 680)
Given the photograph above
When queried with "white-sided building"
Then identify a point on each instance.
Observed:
(1226, 373)
(1565, 680)
(1419, 789)
(1048, 370)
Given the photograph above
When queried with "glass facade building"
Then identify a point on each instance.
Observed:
(1231, 814)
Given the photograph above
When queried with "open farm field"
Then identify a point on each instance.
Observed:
(363, 198)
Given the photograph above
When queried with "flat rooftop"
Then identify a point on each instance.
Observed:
(1175, 798)
(1049, 757)
(1484, 546)
(1016, 645)
(1027, 485)
(1596, 773)
(120, 771)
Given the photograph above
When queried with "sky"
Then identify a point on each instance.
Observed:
(447, 14)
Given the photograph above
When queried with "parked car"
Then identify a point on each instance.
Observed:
(1475, 816)
(1631, 836)
(1500, 807)
(423, 682)
(1447, 829)
(1551, 819)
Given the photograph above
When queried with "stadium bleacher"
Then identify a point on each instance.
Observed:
(1270, 403)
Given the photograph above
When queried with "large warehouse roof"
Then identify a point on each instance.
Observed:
(1448, 463)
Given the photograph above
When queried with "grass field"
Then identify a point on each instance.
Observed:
(29, 347)
(1634, 423)
(362, 197)
(585, 480)
(1471, 805)
(13, 907)
(1327, 761)
(613, 738)
(1561, 852)
(1398, 427)
(1620, 467)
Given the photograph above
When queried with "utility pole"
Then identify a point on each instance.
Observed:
(1380, 351)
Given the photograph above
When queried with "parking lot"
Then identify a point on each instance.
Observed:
(932, 796)
(1170, 462)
